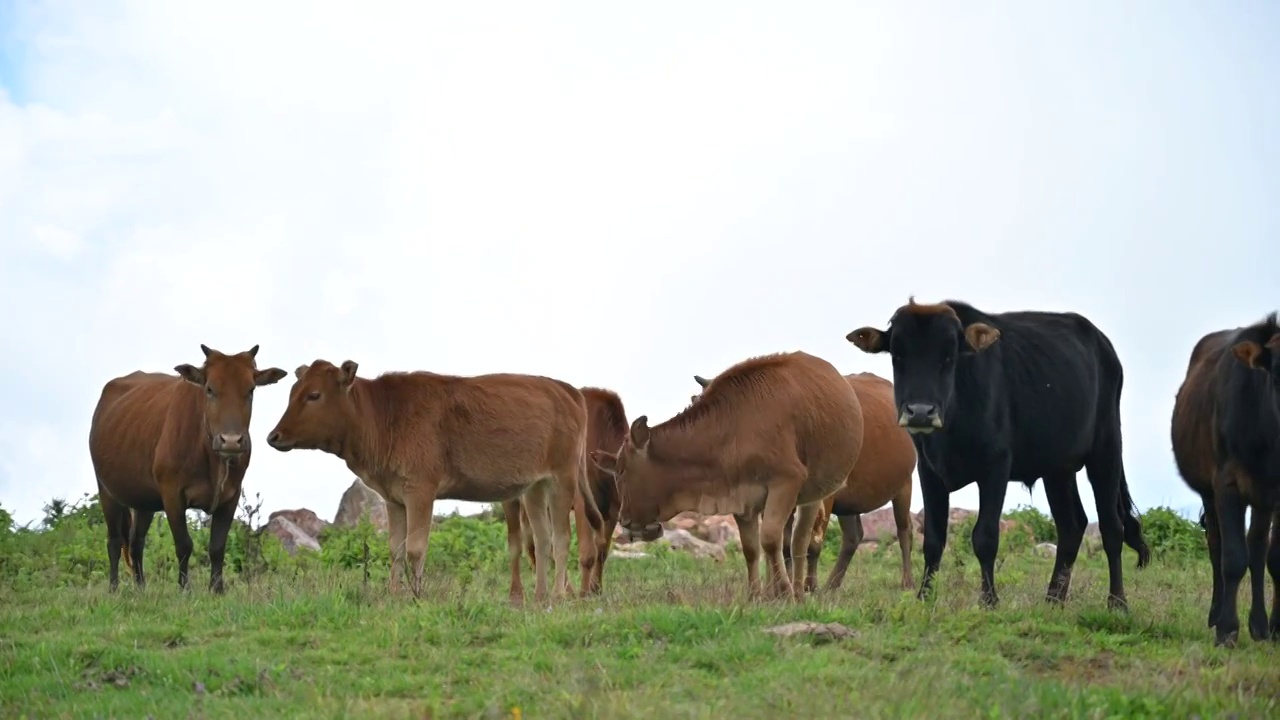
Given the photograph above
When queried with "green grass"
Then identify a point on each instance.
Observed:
(672, 637)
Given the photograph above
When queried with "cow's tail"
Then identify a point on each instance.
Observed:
(1132, 523)
(594, 518)
(128, 526)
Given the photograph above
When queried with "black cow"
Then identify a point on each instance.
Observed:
(1012, 396)
(1226, 442)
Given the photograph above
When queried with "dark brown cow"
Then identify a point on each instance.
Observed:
(1226, 442)
(881, 475)
(415, 437)
(173, 442)
(770, 434)
(606, 429)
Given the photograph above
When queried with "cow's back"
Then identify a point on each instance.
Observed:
(126, 429)
(1058, 378)
(888, 455)
(508, 426)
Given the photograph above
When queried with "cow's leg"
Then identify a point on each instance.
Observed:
(749, 535)
(850, 538)
(776, 516)
(1259, 524)
(936, 515)
(515, 543)
(1069, 519)
(815, 547)
(587, 547)
(805, 516)
(219, 528)
(175, 512)
(986, 529)
(560, 492)
(117, 517)
(141, 525)
(397, 532)
(1106, 473)
(1235, 552)
(787, 531)
(536, 500)
(526, 531)
(1213, 537)
(418, 505)
(604, 543)
(906, 533)
(1273, 565)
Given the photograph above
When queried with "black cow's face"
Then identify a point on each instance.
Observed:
(925, 343)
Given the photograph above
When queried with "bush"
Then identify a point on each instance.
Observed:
(1041, 526)
(1171, 535)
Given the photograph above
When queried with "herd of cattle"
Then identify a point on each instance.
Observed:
(781, 441)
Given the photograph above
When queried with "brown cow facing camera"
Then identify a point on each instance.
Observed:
(415, 437)
(172, 442)
(770, 434)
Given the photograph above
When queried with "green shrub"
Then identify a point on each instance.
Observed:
(1172, 536)
(1041, 526)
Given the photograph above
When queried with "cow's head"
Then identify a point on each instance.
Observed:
(228, 382)
(924, 342)
(320, 411)
(635, 474)
(1262, 356)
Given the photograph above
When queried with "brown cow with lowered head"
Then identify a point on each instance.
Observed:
(881, 475)
(770, 434)
(606, 429)
(173, 442)
(1226, 443)
(415, 437)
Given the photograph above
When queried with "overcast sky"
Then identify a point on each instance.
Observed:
(618, 195)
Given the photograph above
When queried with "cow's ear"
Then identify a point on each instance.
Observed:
(302, 370)
(701, 381)
(1274, 343)
(1248, 352)
(270, 376)
(981, 336)
(868, 340)
(605, 460)
(347, 373)
(191, 373)
(640, 433)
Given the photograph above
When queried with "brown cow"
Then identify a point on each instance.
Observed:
(606, 429)
(881, 475)
(172, 442)
(770, 434)
(1226, 443)
(415, 437)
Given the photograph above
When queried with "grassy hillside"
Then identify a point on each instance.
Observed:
(672, 637)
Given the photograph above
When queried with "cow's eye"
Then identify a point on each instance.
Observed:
(313, 397)
(208, 390)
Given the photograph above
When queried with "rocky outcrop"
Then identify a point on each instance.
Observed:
(305, 519)
(292, 536)
(358, 500)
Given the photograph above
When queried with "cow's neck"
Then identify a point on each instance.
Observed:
(361, 446)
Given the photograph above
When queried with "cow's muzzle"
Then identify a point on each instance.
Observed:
(920, 418)
(278, 441)
(230, 445)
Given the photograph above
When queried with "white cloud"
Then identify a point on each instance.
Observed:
(621, 197)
